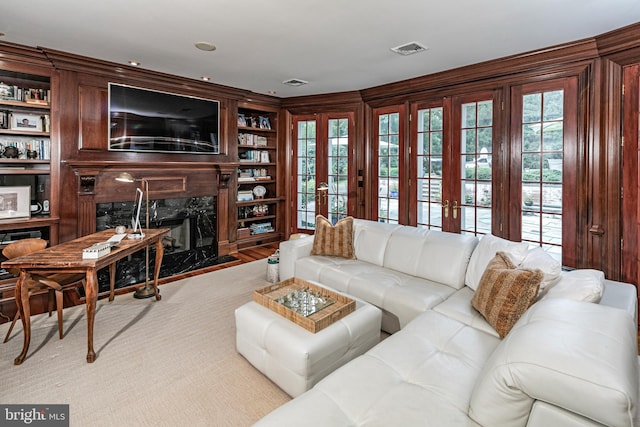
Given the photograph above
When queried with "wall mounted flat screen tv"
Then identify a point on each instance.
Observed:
(154, 121)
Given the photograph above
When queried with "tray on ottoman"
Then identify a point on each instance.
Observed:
(334, 306)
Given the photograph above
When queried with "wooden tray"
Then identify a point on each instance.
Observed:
(315, 322)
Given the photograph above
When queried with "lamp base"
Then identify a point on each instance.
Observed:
(146, 291)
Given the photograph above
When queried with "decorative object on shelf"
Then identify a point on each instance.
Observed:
(260, 210)
(245, 195)
(4, 119)
(264, 122)
(11, 152)
(259, 191)
(264, 157)
(26, 122)
(241, 120)
(15, 202)
(7, 91)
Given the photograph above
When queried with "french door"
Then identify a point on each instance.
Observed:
(478, 166)
(323, 172)
(452, 144)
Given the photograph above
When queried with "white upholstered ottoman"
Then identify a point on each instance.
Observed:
(296, 359)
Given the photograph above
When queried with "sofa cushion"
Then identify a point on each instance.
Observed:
(486, 250)
(580, 285)
(333, 240)
(370, 239)
(505, 293)
(420, 376)
(576, 356)
(452, 250)
(458, 307)
(551, 268)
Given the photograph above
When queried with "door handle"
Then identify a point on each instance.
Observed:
(455, 209)
(445, 205)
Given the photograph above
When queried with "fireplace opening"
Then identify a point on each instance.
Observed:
(191, 243)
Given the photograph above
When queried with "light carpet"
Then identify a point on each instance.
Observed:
(159, 363)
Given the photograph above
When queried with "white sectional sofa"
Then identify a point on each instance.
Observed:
(566, 362)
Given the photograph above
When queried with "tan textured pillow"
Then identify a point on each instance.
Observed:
(333, 240)
(505, 292)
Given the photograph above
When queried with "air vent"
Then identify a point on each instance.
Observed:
(294, 82)
(409, 48)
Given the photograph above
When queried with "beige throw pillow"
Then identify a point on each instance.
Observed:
(505, 293)
(333, 240)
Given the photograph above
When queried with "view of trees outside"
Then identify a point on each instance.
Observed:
(429, 162)
(542, 148)
(476, 154)
(306, 176)
(388, 167)
(338, 169)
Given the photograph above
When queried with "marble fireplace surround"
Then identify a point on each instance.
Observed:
(198, 184)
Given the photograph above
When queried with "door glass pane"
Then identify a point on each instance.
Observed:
(306, 175)
(388, 167)
(429, 168)
(542, 157)
(476, 170)
(338, 169)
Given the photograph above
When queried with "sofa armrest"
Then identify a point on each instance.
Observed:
(621, 295)
(290, 252)
(578, 356)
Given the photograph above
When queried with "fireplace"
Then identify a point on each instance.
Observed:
(191, 243)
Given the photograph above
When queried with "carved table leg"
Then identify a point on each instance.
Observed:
(22, 301)
(112, 279)
(156, 273)
(91, 291)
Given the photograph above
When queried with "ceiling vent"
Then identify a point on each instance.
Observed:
(409, 48)
(294, 82)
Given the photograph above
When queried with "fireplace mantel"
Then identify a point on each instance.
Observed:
(96, 184)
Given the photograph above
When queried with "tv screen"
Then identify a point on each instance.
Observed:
(149, 120)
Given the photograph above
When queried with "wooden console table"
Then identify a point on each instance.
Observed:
(67, 258)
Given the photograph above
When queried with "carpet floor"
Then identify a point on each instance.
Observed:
(159, 363)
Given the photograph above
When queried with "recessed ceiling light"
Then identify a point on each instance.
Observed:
(206, 46)
(205, 78)
(134, 63)
(295, 82)
(409, 48)
(271, 92)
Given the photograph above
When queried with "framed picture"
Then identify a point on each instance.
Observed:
(264, 122)
(264, 157)
(242, 121)
(15, 202)
(26, 122)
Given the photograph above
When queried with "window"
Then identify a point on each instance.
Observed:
(389, 158)
(429, 163)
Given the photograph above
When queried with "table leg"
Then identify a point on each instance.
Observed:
(22, 301)
(112, 279)
(91, 292)
(156, 273)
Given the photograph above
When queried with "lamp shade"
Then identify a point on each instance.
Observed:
(125, 177)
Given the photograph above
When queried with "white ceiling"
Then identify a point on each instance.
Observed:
(335, 45)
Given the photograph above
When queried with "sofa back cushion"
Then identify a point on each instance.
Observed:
(578, 356)
(370, 239)
(445, 257)
(430, 254)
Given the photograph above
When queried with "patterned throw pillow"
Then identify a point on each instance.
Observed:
(333, 240)
(505, 293)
